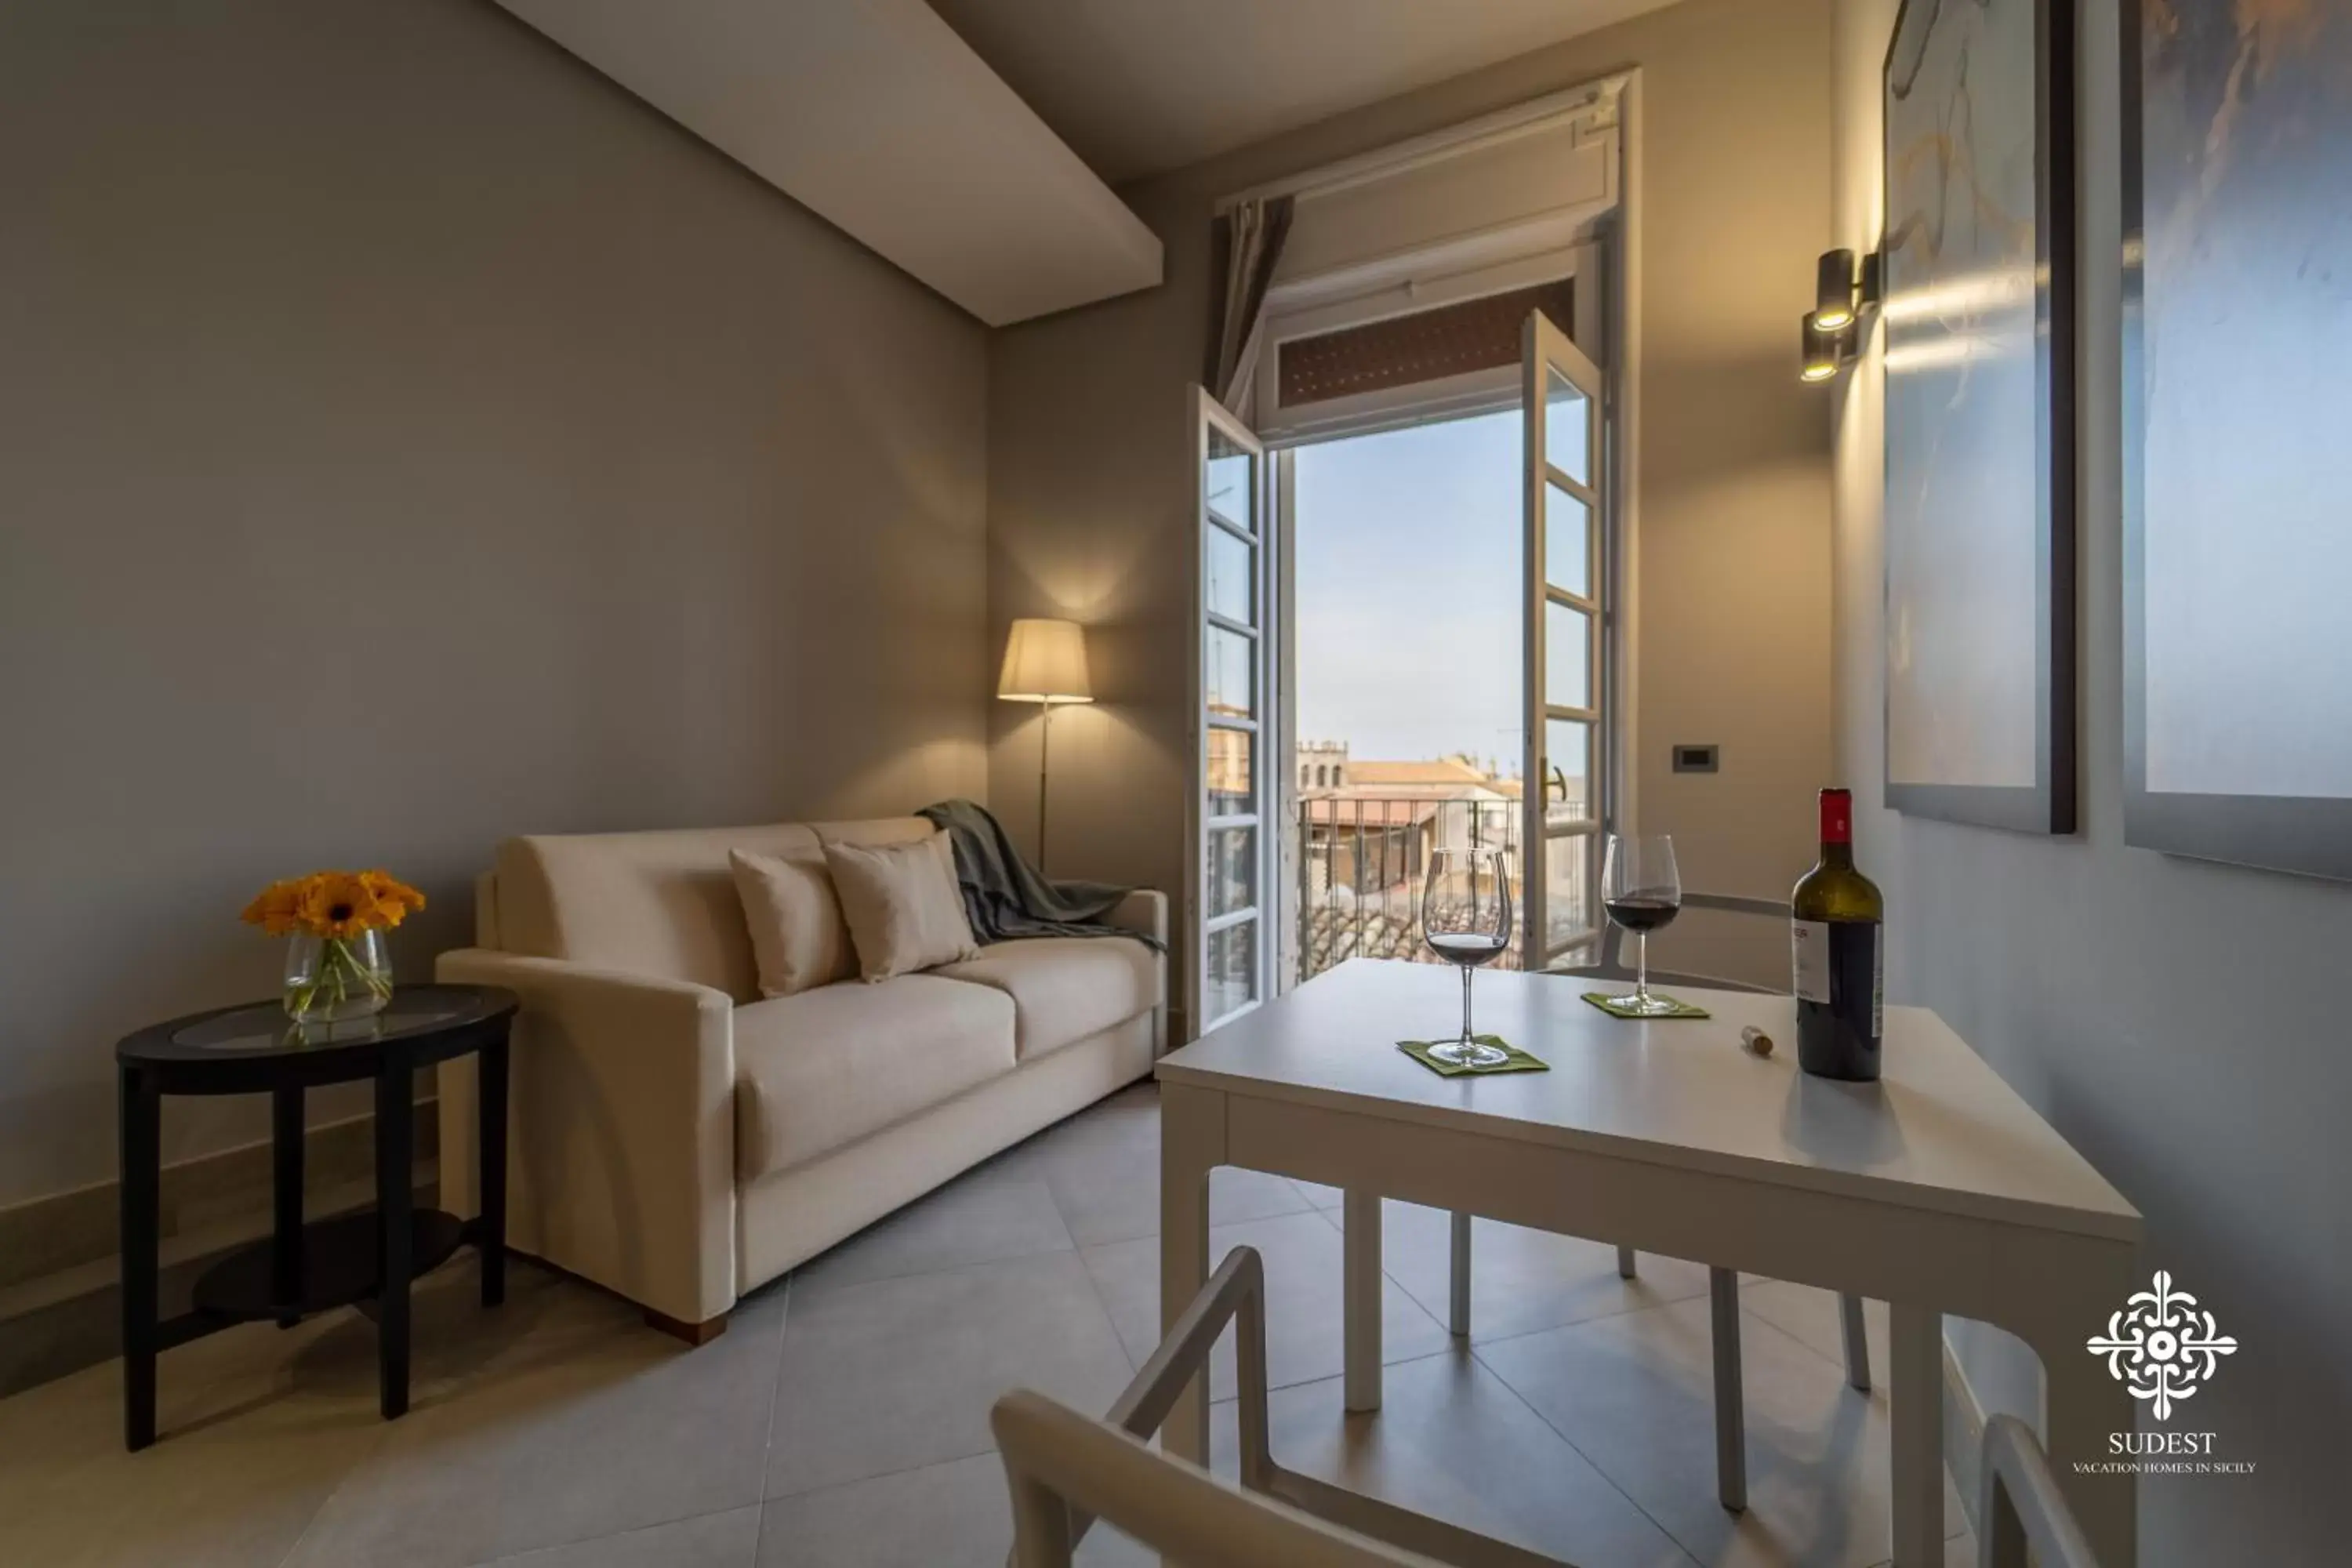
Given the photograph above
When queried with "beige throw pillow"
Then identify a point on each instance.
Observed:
(797, 934)
(904, 909)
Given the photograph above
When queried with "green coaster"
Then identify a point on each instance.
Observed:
(1520, 1061)
(1616, 1008)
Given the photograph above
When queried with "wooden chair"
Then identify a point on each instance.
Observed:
(1723, 1284)
(2021, 1516)
(1067, 1470)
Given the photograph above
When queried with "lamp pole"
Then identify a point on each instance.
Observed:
(1044, 739)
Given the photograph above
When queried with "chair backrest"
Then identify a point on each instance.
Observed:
(1612, 965)
(1067, 1470)
(2021, 1516)
(658, 903)
(1057, 1460)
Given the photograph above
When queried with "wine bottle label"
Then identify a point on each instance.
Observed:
(1809, 944)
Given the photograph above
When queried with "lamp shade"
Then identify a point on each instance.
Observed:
(1046, 661)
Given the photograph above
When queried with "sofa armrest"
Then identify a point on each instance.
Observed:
(1145, 911)
(621, 1129)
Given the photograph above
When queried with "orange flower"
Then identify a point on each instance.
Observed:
(333, 905)
(338, 905)
(395, 898)
(276, 909)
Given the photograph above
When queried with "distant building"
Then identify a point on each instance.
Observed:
(1321, 765)
(1369, 826)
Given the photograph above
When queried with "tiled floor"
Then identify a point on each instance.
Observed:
(842, 1417)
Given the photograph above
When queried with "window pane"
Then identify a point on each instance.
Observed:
(1233, 970)
(1230, 785)
(1567, 889)
(1231, 482)
(1567, 655)
(1567, 527)
(1567, 770)
(1566, 432)
(1232, 869)
(1232, 590)
(1230, 656)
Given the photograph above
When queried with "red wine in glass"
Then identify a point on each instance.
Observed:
(1643, 892)
(1466, 918)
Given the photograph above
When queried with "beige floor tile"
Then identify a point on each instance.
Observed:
(981, 1218)
(239, 1474)
(1303, 1342)
(1452, 1441)
(954, 1515)
(900, 1372)
(1321, 1196)
(259, 1426)
(1103, 1168)
(1634, 1393)
(580, 1425)
(1809, 1315)
(1522, 1280)
(729, 1540)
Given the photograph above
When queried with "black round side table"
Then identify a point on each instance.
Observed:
(368, 1256)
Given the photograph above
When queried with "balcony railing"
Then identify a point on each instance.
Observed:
(1361, 864)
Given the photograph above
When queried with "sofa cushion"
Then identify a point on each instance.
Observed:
(661, 903)
(904, 910)
(1064, 988)
(824, 1068)
(798, 934)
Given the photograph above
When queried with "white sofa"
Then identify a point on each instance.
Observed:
(680, 1141)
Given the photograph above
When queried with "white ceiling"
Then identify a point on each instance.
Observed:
(1137, 87)
(875, 115)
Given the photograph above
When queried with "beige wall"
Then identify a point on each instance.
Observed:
(2181, 1023)
(407, 440)
(1090, 488)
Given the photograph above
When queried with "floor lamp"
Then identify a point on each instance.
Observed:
(1044, 663)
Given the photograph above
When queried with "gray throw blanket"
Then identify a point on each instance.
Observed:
(1005, 897)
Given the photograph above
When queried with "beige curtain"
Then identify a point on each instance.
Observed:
(1245, 243)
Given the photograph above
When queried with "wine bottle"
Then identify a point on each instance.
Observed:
(1838, 955)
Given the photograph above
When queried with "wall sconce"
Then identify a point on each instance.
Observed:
(1834, 306)
(1843, 295)
(1823, 353)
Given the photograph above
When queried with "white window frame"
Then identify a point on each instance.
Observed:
(1263, 726)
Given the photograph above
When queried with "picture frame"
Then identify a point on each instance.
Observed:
(1980, 273)
(2237, 675)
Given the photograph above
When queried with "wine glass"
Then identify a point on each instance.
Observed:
(1643, 892)
(1466, 918)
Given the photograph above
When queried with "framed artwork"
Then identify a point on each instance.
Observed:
(1978, 316)
(2237, 432)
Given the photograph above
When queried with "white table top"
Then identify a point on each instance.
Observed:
(1941, 1131)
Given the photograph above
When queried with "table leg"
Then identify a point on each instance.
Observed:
(1191, 1140)
(140, 1131)
(1457, 1299)
(395, 1181)
(1360, 1296)
(1853, 1330)
(1730, 1390)
(286, 1193)
(490, 1232)
(1915, 1407)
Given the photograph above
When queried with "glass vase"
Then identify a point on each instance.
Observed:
(333, 979)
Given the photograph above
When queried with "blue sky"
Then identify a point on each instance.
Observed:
(1409, 557)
